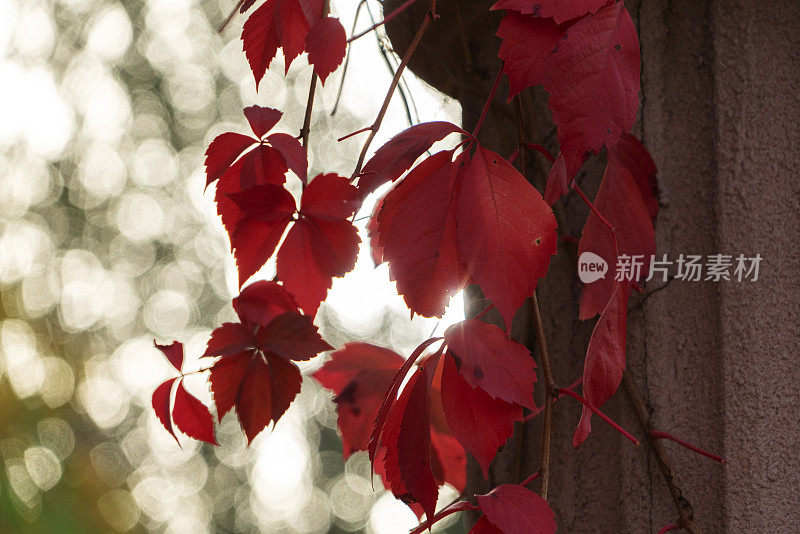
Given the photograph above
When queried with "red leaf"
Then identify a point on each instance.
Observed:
(293, 153)
(620, 201)
(313, 253)
(260, 389)
(482, 526)
(262, 301)
(262, 119)
(506, 231)
(173, 353)
(593, 80)
(557, 180)
(329, 197)
(292, 29)
(516, 510)
(260, 38)
(487, 359)
(417, 228)
(400, 152)
(389, 398)
(192, 417)
(223, 151)
(452, 459)
(230, 338)
(629, 153)
(560, 10)
(605, 358)
(326, 44)
(481, 423)
(292, 336)
(359, 375)
(527, 42)
(408, 460)
(246, 4)
(266, 211)
(262, 165)
(160, 403)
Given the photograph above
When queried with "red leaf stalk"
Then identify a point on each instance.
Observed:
(485, 110)
(658, 434)
(600, 414)
(386, 19)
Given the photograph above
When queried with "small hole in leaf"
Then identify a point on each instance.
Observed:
(538, 241)
(618, 47)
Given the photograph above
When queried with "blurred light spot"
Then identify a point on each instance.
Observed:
(156, 497)
(56, 435)
(21, 483)
(22, 244)
(35, 34)
(82, 303)
(43, 466)
(154, 163)
(109, 463)
(110, 33)
(190, 88)
(139, 216)
(351, 497)
(102, 171)
(390, 516)
(22, 185)
(21, 362)
(315, 517)
(59, 382)
(119, 509)
(167, 313)
(104, 401)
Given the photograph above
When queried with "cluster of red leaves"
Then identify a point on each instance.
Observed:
(295, 26)
(586, 55)
(464, 396)
(472, 218)
(457, 217)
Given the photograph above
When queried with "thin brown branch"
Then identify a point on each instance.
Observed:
(230, 16)
(386, 19)
(305, 131)
(430, 15)
(683, 507)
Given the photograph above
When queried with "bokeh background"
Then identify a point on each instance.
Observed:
(108, 241)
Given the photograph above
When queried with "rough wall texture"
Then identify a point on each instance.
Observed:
(717, 362)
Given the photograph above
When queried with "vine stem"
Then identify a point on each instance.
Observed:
(658, 434)
(306, 129)
(485, 111)
(230, 16)
(386, 19)
(682, 505)
(600, 414)
(430, 16)
(538, 326)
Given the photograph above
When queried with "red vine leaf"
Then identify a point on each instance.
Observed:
(517, 510)
(223, 151)
(261, 388)
(559, 10)
(483, 526)
(192, 417)
(593, 79)
(408, 460)
(326, 44)
(255, 372)
(557, 181)
(160, 403)
(266, 210)
(417, 234)
(359, 375)
(487, 359)
(173, 353)
(527, 42)
(261, 302)
(620, 199)
(322, 244)
(605, 358)
(506, 231)
(479, 422)
(293, 153)
(262, 119)
(400, 152)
